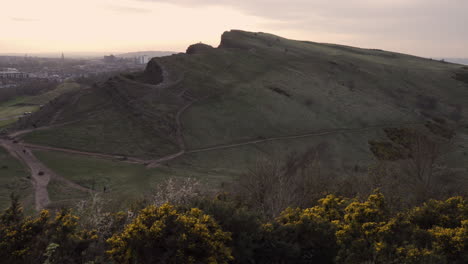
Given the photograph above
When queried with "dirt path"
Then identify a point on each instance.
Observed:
(29, 130)
(180, 140)
(179, 134)
(85, 153)
(40, 182)
(40, 174)
(19, 133)
(157, 162)
(313, 134)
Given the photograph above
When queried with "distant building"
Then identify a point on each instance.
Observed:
(12, 73)
(109, 59)
(144, 59)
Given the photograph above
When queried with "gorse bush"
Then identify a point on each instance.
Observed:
(27, 239)
(222, 230)
(165, 235)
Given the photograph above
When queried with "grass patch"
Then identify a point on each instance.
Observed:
(60, 192)
(107, 133)
(125, 183)
(14, 179)
(51, 95)
(5, 123)
(122, 181)
(11, 111)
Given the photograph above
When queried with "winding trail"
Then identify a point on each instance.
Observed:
(156, 162)
(40, 174)
(39, 182)
(179, 135)
(313, 134)
(22, 151)
(85, 153)
(26, 131)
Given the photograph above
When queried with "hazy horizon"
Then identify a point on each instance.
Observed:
(95, 54)
(427, 28)
(77, 54)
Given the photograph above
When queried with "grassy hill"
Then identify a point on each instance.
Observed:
(219, 110)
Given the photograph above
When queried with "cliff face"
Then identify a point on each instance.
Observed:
(153, 73)
(238, 39)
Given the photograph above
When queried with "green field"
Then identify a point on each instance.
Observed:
(16, 107)
(14, 179)
(5, 123)
(106, 133)
(123, 180)
(44, 98)
(127, 182)
(12, 110)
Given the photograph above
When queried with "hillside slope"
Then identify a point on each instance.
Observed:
(257, 94)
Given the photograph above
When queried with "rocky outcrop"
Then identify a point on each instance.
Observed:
(153, 73)
(238, 39)
(198, 48)
(232, 40)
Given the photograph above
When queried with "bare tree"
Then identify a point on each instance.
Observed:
(422, 158)
(271, 185)
(179, 191)
(423, 174)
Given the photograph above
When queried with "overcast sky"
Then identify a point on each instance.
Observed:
(430, 28)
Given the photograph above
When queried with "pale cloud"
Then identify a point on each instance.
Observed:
(422, 27)
(24, 19)
(96, 25)
(433, 26)
(127, 9)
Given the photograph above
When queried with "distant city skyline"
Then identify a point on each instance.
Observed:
(428, 28)
(73, 54)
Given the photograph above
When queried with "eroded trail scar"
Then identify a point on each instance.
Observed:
(40, 174)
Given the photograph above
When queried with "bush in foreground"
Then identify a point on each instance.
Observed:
(165, 235)
(335, 230)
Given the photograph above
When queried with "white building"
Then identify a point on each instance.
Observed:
(12, 73)
(144, 59)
